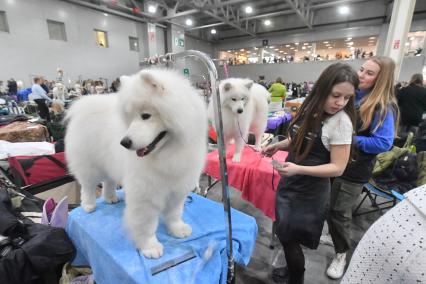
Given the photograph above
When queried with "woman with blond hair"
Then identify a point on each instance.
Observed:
(378, 118)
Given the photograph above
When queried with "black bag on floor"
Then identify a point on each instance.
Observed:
(29, 251)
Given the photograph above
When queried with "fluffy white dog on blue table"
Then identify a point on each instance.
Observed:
(150, 138)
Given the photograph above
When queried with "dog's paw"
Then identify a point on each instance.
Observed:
(111, 199)
(88, 207)
(153, 249)
(236, 158)
(180, 230)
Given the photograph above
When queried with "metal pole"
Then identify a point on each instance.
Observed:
(220, 143)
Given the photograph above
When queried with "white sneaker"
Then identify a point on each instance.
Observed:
(337, 266)
(326, 240)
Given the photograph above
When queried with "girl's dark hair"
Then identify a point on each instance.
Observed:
(311, 113)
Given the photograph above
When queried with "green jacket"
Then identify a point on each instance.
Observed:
(277, 91)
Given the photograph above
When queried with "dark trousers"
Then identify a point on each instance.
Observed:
(43, 109)
(343, 199)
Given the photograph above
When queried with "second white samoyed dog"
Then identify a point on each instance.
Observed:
(244, 106)
(151, 139)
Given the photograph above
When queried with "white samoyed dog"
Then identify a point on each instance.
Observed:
(244, 106)
(151, 139)
(59, 92)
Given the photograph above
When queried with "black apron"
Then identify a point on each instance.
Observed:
(301, 200)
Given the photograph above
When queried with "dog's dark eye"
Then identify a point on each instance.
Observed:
(234, 99)
(145, 116)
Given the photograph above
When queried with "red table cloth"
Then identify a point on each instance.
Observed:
(253, 176)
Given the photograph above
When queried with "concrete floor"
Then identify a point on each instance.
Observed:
(265, 259)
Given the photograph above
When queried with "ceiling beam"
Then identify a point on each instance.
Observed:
(302, 9)
(177, 15)
(111, 11)
(335, 3)
(232, 24)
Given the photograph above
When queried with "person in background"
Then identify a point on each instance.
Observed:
(43, 84)
(12, 87)
(412, 102)
(278, 92)
(3, 89)
(319, 145)
(40, 98)
(375, 131)
(262, 82)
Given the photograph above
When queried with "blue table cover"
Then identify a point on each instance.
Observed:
(103, 244)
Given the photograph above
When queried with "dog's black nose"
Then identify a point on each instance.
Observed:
(240, 110)
(126, 142)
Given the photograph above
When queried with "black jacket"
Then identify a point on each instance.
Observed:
(412, 104)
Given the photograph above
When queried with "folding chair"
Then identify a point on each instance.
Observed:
(372, 192)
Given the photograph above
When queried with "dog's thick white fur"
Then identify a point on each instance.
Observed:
(244, 106)
(59, 92)
(109, 138)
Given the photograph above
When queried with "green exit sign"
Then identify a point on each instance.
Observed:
(181, 42)
(186, 72)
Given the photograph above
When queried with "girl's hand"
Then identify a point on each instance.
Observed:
(289, 169)
(270, 150)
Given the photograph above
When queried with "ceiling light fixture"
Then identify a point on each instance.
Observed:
(188, 22)
(343, 10)
(249, 10)
(213, 31)
(267, 22)
(152, 9)
(296, 43)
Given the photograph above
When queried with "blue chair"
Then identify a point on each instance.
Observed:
(372, 192)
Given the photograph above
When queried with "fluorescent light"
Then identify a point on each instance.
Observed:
(330, 47)
(267, 22)
(372, 37)
(343, 10)
(287, 45)
(105, 14)
(229, 51)
(213, 31)
(305, 43)
(303, 47)
(152, 9)
(249, 10)
(188, 22)
(296, 43)
(325, 41)
(349, 38)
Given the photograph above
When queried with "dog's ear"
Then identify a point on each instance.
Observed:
(149, 79)
(227, 87)
(248, 84)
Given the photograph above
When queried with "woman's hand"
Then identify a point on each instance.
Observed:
(289, 169)
(270, 150)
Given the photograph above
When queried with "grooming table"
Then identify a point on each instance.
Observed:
(102, 243)
(253, 176)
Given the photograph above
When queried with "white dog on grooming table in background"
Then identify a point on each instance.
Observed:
(244, 107)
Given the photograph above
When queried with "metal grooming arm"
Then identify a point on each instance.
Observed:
(170, 58)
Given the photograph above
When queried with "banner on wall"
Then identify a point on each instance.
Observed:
(151, 32)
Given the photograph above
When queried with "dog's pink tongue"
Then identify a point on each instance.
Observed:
(141, 152)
